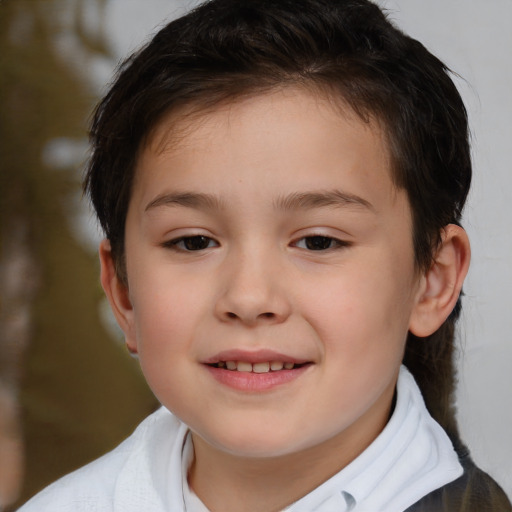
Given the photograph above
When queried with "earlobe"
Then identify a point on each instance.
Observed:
(442, 284)
(117, 294)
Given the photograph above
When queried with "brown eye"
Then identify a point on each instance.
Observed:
(319, 243)
(193, 243)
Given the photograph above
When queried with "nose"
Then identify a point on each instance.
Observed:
(253, 291)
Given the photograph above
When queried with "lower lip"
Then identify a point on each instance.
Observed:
(255, 382)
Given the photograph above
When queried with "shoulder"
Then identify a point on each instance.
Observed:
(93, 487)
(87, 488)
(474, 491)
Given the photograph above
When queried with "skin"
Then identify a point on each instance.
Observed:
(307, 253)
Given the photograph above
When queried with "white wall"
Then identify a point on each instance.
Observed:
(474, 38)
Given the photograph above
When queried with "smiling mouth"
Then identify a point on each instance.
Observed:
(263, 367)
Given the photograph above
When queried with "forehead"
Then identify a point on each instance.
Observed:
(290, 132)
(175, 127)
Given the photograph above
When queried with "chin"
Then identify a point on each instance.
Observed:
(257, 444)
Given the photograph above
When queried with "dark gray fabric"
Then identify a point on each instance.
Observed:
(474, 491)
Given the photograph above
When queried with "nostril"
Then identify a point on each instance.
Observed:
(249, 318)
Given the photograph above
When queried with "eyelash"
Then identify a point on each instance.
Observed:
(180, 244)
(334, 243)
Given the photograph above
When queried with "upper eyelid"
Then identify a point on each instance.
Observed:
(174, 241)
(180, 233)
(339, 242)
(340, 238)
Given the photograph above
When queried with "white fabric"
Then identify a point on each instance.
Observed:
(191, 501)
(410, 458)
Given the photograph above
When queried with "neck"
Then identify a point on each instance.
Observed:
(228, 483)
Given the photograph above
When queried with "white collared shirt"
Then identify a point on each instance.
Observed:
(411, 457)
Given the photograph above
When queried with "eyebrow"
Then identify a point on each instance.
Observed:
(187, 199)
(330, 198)
(294, 201)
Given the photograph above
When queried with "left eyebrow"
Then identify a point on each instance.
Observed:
(186, 199)
(330, 198)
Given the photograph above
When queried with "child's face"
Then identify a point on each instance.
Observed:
(271, 233)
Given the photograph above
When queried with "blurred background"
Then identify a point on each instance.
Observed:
(69, 391)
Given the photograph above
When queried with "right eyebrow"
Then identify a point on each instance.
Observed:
(319, 199)
(188, 199)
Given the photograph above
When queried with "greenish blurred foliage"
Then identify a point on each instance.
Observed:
(78, 390)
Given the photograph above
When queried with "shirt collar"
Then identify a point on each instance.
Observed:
(411, 457)
(190, 499)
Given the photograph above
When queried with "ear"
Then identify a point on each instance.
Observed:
(441, 286)
(118, 295)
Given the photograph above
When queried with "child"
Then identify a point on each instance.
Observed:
(281, 185)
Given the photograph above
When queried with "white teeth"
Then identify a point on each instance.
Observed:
(261, 367)
(264, 367)
(244, 367)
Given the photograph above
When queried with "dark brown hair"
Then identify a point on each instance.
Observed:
(347, 49)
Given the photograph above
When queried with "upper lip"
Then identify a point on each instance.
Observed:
(257, 356)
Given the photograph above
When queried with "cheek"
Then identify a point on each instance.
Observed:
(166, 310)
(166, 315)
(363, 307)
